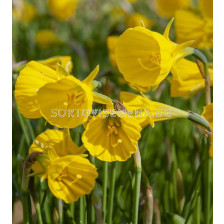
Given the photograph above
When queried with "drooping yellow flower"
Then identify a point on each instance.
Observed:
(57, 140)
(47, 38)
(24, 12)
(67, 103)
(136, 19)
(190, 26)
(145, 57)
(63, 10)
(69, 175)
(168, 8)
(190, 80)
(30, 80)
(112, 136)
(206, 7)
(208, 115)
(111, 44)
(64, 61)
(147, 111)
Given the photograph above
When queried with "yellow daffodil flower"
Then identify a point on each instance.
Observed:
(190, 80)
(57, 140)
(47, 38)
(64, 61)
(24, 12)
(63, 10)
(111, 44)
(190, 26)
(35, 96)
(145, 57)
(206, 7)
(69, 175)
(112, 136)
(30, 80)
(208, 115)
(167, 8)
(136, 19)
(67, 103)
(147, 111)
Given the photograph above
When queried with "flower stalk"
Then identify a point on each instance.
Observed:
(25, 184)
(205, 73)
(105, 173)
(138, 171)
(111, 193)
(199, 120)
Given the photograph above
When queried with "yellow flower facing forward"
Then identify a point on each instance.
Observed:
(208, 115)
(112, 136)
(111, 44)
(25, 12)
(47, 38)
(167, 8)
(63, 10)
(30, 80)
(64, 61)
(136, 19)
(190, 26)
(67, 103)
(145, 57)
(69, 175)
(147, 111)
(190, 80)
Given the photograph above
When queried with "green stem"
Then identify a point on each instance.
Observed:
(205, 74)
(197, 211)
(111, 192)
(72, 210)
(105, 172)
(23, 126)
(45, 204)
(25, 198)
(208, 189)
(60, 208)
(25, 193)
(68, 214)
(38, 211)
(138, 171)
(30, 129)
(81, 210)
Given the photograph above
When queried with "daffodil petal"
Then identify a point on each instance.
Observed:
(30, 80)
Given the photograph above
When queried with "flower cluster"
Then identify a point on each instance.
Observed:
(145, 58)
